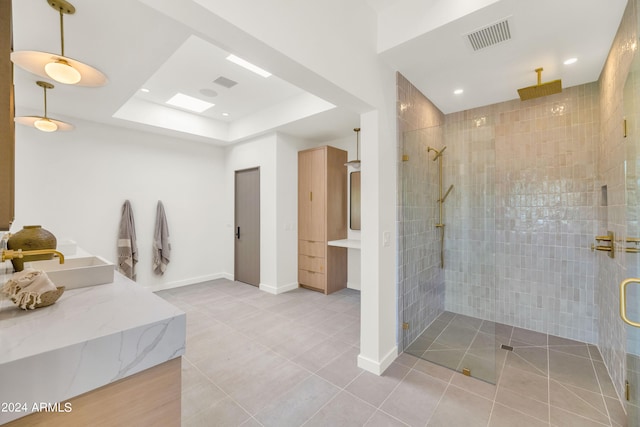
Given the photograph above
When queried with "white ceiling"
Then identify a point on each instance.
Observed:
(136, 47)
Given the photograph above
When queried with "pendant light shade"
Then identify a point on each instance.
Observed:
(356, 163)
(62, 72)
(59, 67)
(44, 123)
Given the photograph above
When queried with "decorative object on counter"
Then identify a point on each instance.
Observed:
(30, 289)
(161, 244)
(31, 237)
(127, 247)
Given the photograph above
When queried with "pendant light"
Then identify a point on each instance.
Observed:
(44, 123)
(356, 163)
(59, 67)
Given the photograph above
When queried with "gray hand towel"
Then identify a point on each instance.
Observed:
(161, 244)
(127, 247)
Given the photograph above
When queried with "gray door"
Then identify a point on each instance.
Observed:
(247, 226)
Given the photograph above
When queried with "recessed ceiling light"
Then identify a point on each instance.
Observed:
(145, 90)
(458, 91)
(208, 92)
(189, 103)
(570, 61)
(225, 114)
(248, 65)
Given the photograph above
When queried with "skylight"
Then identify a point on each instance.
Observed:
(248, 65)
(189, 103)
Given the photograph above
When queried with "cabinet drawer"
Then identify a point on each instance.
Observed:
(311, 263)
(311, 248)
(311, 279)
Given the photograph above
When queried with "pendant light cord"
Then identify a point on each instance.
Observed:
(45, 101)
(61, 34)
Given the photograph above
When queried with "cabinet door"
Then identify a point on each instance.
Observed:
(304, 189)
(311, 195)
(318, 196)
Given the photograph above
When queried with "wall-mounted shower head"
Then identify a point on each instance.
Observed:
(438, 153)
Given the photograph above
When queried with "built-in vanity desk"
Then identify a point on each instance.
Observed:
(345, 243)
(107, 352)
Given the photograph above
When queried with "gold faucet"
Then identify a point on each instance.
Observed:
(8, 254)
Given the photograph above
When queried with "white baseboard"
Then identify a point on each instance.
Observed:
(355, 286)
(276, 290)
(190, 281)
(378, 368)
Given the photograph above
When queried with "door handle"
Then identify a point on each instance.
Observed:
(623, 301)
(238, 233)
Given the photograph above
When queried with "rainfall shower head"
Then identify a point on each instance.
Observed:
(438, 153)
(541, 89)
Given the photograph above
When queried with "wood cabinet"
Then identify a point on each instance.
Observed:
(7, 135)
(322, 216)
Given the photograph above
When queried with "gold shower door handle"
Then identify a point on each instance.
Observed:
(623, 301)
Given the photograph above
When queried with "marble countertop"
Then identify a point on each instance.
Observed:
(89, 338)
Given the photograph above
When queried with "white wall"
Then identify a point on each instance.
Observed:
(74, 184)
(261, 153)
(277, 157)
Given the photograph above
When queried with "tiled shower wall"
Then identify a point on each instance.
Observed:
(523, 217)
(421, 293)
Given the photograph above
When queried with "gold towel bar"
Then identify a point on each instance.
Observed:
(610, 237)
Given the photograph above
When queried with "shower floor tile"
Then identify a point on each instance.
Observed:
(544, 380)
(291, 360)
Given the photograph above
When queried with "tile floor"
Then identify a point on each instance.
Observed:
(255, 359)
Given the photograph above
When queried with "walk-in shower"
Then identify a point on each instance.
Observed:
(520, 216)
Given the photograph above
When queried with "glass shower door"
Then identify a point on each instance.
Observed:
(446, 297)
(630, 288)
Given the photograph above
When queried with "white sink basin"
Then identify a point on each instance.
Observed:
(76, 272)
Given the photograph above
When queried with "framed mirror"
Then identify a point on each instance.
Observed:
(354, 220)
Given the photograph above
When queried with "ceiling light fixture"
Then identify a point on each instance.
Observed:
(59, 67)
(189, 103)
(44, 123)
(458, 92)
(356, 163)
(248, 65)
(145, 90)
(570, 61)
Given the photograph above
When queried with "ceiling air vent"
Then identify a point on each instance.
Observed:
(223, 81)
(490, 35)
